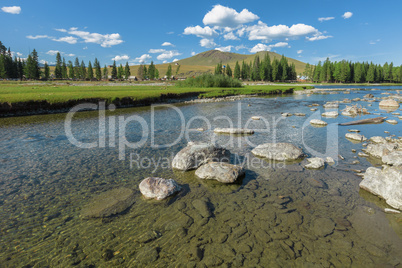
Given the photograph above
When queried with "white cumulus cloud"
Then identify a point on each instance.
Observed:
(12, 10)
(37, 36)
(153, 51)
(193, 53)
(143, 58)
(224, 49)
(208, 43)
(230, 36)
(53, 52)
(105, 40)
(318, 37)
(325, 19)
(70, 55)
(262, 31)
(175, 60)
(120, 58)
(228, 17)
(68, 39)
(263, 47)
(300, 51)
(166, 44)
(168, 55)
(203, 32)
(347, 15)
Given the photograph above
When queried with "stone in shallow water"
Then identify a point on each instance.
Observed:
(378, 139)
(386, 183)
(379, 150)
(158, 188)
(391, 121)
(323, 227)
(318, 122)
(109, 203)
(278, 151)
(389, 103)
(393, 159)
(331, 114)
(197, 154)
(202, 207)
(315, 163)
(222, 172)
(355, 136)
(236, 131)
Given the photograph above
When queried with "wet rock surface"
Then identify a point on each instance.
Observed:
(197, 154)
(386, 183)
(222, 172)
(109, 203)
(158, 188)
(235, 131)
(278, 151)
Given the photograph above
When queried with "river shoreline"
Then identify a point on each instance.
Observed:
(43, 107)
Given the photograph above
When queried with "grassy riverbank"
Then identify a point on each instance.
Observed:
(59, 92)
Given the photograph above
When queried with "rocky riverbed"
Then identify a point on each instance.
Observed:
(281, 212)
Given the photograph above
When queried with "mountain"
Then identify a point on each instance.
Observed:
(212, 57)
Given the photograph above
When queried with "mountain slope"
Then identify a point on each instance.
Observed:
(213, 57)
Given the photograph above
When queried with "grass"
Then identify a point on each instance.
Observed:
(17, 92)
(210, 80)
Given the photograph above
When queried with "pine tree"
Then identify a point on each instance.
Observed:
(317, 72)
(77, 69)
(151, 71)
(120, 72)
(371, 73)
(156, 74)
(114, 70)
(90, 74)
(58, 68)
(275, 70)
(127, 71)
(236, 73)
(243, 71)
(105, 73)
(71, 71)
(218, 69)
(46, 74)
(64, 73)
(98, 72)
(285, 68)
(255, 74)
(169, 72)
(2, 66)
(229, 71)
(145, 72)
(83, 71)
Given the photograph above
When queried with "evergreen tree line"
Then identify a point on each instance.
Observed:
(352, 72)
(79, 71)
(16, 68)
(260, 70)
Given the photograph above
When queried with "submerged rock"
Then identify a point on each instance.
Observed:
(197, 154)
(222, 172)
(355, 136)
(315, 163)
(109, 203)
(369, 96)
(389, 103)
(386, 183)
(158, 188)
(323, 227)
(318, 122)
(331, 105)
(278, 151)
(234, 131)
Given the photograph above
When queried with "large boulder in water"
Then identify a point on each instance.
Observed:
(278, 151)
(197, 154)
(380, 150)
(393, 159)
(109, 203)
(222, 172)
(386, 183)
(158, 188)
(389, 103)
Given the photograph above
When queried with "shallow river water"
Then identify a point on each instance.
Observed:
(278, 215)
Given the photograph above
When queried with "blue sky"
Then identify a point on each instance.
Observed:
(163, 31)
